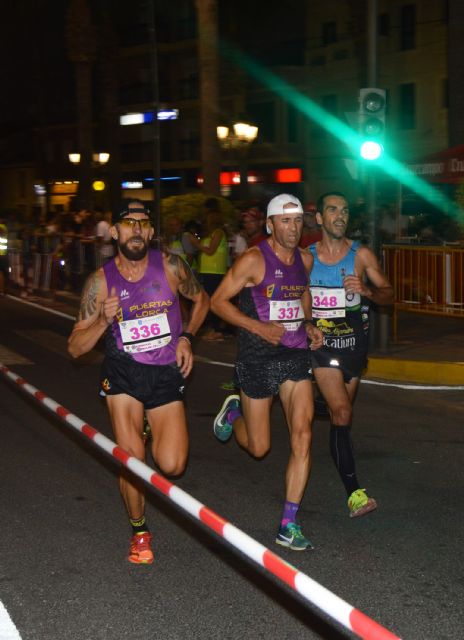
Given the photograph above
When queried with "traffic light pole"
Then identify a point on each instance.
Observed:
(379, 319)
(372, 82)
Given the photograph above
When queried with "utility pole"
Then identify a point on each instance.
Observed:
(372, 82)
(379, 319)
(156, 128)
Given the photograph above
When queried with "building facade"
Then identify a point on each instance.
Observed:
(317, 59)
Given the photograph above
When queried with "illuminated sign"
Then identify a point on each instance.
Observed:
(288, 175)
(132, 184)
(145, 117)
(168, 114)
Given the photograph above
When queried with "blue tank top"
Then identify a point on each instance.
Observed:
(342, 317)
(148, 323)
(276, 298)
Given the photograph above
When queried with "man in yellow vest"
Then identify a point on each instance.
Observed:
(213, 251)
(174, 236)
(3, 256)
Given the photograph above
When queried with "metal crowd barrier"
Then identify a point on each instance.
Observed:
(76, 259)
(426, 279)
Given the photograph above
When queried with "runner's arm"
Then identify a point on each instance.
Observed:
(214, 244)
(96, 313)
(247, 269)
(182, 279)
(378, 289)
(314, 334)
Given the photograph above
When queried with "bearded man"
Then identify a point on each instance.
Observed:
(133, 301)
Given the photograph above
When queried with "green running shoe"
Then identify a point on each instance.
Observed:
(359, 503)
(290, 536)
(222, 428)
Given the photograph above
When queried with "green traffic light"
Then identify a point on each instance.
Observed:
(370, 150)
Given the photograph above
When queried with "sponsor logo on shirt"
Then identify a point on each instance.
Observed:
(278, 274)
(124, 294)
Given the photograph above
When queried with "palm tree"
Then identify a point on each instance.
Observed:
(208, 63)
(109, 86)
(81, 44)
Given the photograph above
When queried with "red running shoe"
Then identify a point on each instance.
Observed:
(140, 548)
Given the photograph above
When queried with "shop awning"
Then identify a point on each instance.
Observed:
(445, 167)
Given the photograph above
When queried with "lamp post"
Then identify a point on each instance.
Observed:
(99, 159)
(238, 139)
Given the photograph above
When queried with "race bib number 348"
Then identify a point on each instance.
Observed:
(145, 334)
(328, 302)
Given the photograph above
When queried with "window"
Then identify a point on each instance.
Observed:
(330, 104)
(329, 33)
(408, 27)
(318, 61)
(384, 24)
(341, 54)
(407, 113)
(22, 184)
(292, 124)
(137, 152)
(445, 94)
(263, 116)
(188, 87)
(130, 94)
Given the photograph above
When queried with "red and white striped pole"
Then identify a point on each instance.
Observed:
(331, 604)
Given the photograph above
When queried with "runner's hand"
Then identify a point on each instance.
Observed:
(354, 284)
(271, 332)
(184, 356)
(316, 336)
(110, 306)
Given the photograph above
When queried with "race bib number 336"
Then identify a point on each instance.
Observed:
(145, 334)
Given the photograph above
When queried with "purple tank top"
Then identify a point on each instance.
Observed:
(278, 296)
(148, 322)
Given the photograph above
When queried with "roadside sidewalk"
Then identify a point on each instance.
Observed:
(429, 349)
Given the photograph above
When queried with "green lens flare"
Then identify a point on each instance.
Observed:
(370, 150)
(340, 130)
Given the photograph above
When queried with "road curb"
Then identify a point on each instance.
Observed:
(420, 371)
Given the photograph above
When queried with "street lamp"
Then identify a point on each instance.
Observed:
(98, 158)
(238, 139)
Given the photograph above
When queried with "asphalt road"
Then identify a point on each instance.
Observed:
(63, 568)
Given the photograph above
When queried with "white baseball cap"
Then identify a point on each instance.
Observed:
(277, 204)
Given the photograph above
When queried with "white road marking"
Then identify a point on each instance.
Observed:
(8, 631)
(11, 357)
(396, 385)
(58, 344)
(415, 387)
(42, 308)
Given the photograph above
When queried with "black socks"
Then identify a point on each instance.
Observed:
(139, 525)
(341, 449)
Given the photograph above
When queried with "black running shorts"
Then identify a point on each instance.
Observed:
(152, 385)
(351, 365)
(263, 380)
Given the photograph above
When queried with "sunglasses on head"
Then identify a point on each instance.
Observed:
(145, 223)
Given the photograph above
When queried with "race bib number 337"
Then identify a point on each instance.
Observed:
(145, 334)
(289, 312)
